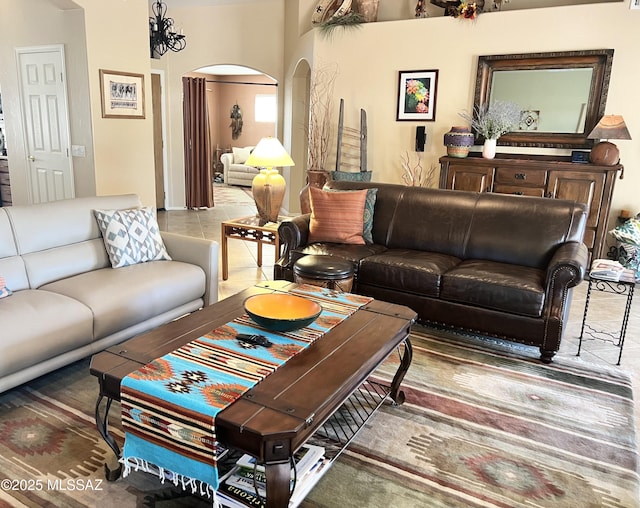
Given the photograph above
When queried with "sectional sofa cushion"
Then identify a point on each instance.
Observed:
(38, 325)
(131, 294)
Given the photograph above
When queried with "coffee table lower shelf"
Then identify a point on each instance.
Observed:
(334, 435)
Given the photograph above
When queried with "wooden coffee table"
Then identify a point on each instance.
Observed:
(278, 415)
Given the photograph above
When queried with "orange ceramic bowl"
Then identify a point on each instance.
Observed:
(281, 312)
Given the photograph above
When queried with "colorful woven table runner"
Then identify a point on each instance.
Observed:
(169, 405)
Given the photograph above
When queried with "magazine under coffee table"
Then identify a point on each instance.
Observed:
(278, 415)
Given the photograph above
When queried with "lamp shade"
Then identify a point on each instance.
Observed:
(269, 153)
(610, 127)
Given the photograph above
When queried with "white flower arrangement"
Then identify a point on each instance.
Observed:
(493, 120)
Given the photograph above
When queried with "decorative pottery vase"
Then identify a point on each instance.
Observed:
(368, 9)
(458, 141)
(315, 178)
(489, 148)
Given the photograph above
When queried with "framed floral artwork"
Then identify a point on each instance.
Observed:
(122, 94)
(417, 95)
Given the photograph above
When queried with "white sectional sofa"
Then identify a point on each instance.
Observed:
(235, 171)
(68, 302)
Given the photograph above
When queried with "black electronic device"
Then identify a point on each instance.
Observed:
(579, 156)
(255, 339)
(421, 138)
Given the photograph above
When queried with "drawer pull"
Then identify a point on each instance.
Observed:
(518, 193)
(520, 176)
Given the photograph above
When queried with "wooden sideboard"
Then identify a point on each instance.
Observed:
(553, 177)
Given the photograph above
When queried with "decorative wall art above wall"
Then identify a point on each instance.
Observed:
(417, 95)
(122, 94)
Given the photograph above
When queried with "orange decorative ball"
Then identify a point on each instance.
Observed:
(605, 153)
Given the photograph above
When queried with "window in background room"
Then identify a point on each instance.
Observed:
(266, 108)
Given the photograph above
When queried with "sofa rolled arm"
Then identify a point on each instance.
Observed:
(293, 233)
(196, 251)
(227, 160)
(572, 255)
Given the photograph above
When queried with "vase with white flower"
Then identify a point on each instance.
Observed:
(492, 121)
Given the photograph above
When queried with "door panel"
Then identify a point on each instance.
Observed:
(45, 116)
(470, 179)
(582, 187)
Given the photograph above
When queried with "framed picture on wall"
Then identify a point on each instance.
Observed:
(634, 4)
(122, 94)
(417, 95)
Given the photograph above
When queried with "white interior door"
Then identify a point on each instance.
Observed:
(46, 120)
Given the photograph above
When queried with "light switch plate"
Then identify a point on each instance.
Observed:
(78, 151)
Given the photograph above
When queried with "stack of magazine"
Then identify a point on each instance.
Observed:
(238, 487)
(606, 269)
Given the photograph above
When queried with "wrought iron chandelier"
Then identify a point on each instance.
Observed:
(162, 32)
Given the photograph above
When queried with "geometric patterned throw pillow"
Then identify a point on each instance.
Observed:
(131, 236)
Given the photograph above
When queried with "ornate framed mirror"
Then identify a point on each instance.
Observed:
(562, 95)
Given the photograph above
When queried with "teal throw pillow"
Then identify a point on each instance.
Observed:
(369, 205)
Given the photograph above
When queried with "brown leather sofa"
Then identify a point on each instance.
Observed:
(493, 264)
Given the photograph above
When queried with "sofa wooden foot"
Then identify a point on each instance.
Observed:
(546, 356)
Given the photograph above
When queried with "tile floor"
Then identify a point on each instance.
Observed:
(605, 310)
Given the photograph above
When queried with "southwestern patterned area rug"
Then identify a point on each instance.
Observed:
(484, 425)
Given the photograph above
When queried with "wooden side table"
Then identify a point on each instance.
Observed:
(249, 230)
(624, 287)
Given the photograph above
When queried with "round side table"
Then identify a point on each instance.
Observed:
(326, 271)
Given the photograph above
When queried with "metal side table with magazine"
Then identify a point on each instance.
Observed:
(623, 287)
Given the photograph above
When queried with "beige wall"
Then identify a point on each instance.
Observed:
(123, 147)
(368, 74)
(244, 96)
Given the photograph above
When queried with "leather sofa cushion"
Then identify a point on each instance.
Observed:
(44, 324)
(407, 270)
(122, 297)
(499, 286)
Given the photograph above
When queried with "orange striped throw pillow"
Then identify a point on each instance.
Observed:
(336, 216)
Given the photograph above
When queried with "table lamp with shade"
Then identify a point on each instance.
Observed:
(268, 186)
(609, 127)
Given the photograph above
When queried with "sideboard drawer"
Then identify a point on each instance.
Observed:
(521, 176)
(519, 190)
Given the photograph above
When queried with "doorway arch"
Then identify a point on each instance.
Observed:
(231, 88)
